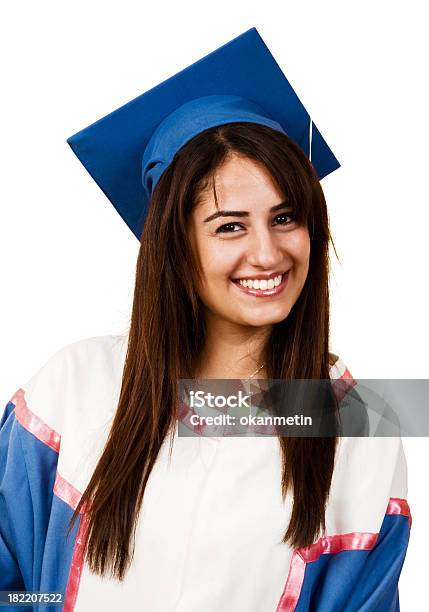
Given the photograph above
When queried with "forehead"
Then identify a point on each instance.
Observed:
(242, 182)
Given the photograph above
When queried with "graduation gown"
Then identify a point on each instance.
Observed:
(209, 533)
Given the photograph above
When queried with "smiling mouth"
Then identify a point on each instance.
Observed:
(263, 287)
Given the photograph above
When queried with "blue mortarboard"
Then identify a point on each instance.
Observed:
(127, 151)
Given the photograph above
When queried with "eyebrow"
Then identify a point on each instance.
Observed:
(242, 213)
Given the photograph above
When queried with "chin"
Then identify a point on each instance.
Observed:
(263, 319)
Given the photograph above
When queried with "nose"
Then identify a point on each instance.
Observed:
(264, 249)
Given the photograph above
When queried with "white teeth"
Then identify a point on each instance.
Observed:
(262, 284)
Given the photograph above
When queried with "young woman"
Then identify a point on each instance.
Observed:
(102, 500)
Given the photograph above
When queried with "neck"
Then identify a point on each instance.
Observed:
(232, 351)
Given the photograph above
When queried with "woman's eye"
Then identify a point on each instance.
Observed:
(226, 228)
(283, 219)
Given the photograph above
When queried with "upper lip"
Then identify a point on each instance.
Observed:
(261, 276)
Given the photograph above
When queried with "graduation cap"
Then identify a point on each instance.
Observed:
(127, 151)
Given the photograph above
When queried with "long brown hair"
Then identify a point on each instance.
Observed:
(167, 335)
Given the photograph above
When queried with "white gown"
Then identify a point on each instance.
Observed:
(210, 530)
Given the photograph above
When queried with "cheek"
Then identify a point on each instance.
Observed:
(297, 244)
(218, 260)
(214, 269)
(213, 266)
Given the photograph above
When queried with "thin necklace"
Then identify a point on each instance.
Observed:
(255, 372)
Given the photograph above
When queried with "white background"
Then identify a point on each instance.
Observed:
(67, 259)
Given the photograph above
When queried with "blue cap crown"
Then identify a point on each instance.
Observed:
(189, 120)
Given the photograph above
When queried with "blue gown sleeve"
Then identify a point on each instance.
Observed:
(377, 586)
(356, 567)
(27, 475)
(359, 580)
(11, 577)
